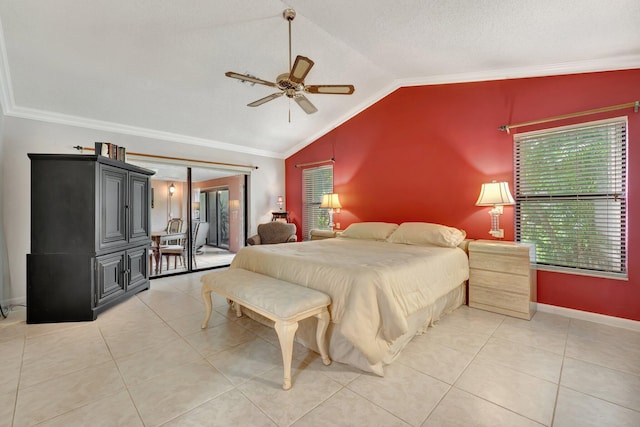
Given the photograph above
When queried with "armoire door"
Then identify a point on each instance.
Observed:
(139, 221)
(111, 209)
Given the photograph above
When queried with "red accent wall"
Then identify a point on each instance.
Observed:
(422, 153)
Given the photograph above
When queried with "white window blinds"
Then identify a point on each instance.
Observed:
(316, 182)
(570, 191)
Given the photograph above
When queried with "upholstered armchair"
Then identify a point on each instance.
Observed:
(274, 232)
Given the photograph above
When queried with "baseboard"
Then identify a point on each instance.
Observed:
(618, 322)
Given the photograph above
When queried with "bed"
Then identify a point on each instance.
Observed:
(386, 283)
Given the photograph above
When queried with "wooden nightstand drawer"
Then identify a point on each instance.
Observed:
(502, 263)
(480, 297)
(500, 281)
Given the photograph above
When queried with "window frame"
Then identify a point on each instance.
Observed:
(313, 217)
(573, 140)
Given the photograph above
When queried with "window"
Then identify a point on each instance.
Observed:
(316, 182)
(570, 192)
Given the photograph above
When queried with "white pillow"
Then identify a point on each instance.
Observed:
(424, 233)
(369, 230)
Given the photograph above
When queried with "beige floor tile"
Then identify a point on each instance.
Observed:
(7, 404)
(39, 329)
(124, 342)
(346, 409)
(230, 409)
(11, 365)
(244, 361)
(155, 361)
(462, 409)
(114, 410)
(179, 390)
(219, 338)
(606, 334)
(339, 372)
(542, 321)
(605, 352)
(575, 409)
(57, 396)
(13, 326)
(406, 393)
(309, 389)
(473, 320)
(552, 341)
(614, 386)
(454, 337)
(192, 323)
(62, 352)
(524, 358)
(438, 361)
(524, 394)
(172, 305)
(132, 315)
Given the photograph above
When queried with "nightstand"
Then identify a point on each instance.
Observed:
(502, 277)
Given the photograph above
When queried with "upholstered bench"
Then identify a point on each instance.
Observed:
(282, 302)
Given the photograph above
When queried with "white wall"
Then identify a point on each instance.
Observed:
(5, 277)
(22, 136)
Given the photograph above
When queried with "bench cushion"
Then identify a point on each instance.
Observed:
(282, 299)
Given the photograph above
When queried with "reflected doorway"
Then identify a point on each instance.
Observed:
(217, 202)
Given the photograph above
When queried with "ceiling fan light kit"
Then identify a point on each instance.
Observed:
(292, 84)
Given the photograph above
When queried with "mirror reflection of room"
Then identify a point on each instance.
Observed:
(197, 225)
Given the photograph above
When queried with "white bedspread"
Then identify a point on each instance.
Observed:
(373, 285)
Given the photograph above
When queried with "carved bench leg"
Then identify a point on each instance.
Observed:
(286, 332)
(323, 323)
(206, 296)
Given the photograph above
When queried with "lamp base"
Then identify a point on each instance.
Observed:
(496, 231)
(498, 234)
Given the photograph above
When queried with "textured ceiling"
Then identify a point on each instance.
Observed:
(156, 67)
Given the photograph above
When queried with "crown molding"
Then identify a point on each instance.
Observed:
(69, 120)
(6, 90)
(580, 67)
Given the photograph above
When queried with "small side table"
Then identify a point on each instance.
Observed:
(281, 216)
(502, 277)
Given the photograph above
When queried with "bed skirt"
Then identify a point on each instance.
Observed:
(341, 350)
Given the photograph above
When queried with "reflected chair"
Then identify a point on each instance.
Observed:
(175, 250)
(199, 240)
(274, 232)
(174, 226)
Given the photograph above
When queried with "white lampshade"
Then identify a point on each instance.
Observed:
(330, 201)
(495, 193)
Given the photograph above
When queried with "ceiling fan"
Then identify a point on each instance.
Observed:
(292, 84)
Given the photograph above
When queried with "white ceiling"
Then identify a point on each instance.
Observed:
(156, 67)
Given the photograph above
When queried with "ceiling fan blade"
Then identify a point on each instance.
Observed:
(300, 69)
(330, 89)
(265, 99)
(247, 78)
(305, 104)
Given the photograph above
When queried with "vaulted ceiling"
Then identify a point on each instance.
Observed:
(156, 67)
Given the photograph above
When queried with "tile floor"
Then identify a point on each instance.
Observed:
(146, 362)
(210, 257)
